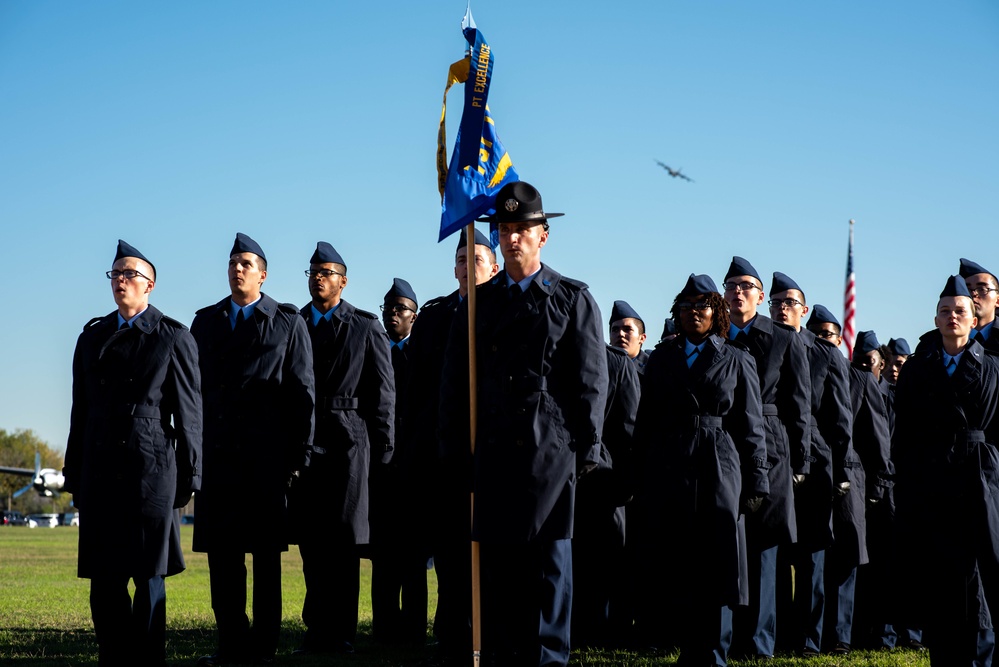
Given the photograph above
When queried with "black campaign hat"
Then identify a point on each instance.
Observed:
(740, 266)
(519, 202)
(899, 346)
(783, 282)
(127, 250)
(326, 254)
(622, 310)
(969, 268)
(955, 287)
(821, 314)
(244, 243)
(701, 284)
(401, 288)
(867, 341)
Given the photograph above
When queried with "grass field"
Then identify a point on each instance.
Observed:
(45, 614)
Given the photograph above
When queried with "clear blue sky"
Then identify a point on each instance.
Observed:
(174, 125)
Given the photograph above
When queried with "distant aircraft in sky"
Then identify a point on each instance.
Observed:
(675, 173)
(47, 482)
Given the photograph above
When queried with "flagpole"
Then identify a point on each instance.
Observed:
(472, 282)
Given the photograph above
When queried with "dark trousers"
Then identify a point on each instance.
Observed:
(756, 625)
(129, 631)
(706, 634)
(801, 617)
(453, 620)
(332, 587)
(840, 601)
(527, 602)
(227, 572)
(399, 594)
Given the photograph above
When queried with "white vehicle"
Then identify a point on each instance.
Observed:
(43, 520)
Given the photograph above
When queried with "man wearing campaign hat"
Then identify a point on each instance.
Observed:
(133, 456)
(627, 331)
(542, 383)
(256, 371)
(946, 486)
(355, 403)
(785, 386)
(441, 507)
(984, 289)
(701, 443)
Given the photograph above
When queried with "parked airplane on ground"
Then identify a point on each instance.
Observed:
(47, 482)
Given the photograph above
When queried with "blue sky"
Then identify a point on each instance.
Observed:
(175, 125)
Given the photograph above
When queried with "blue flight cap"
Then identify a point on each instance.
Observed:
(327, 254)
(956, 287)
(401, 288)
(669, 328)
(821, 314)
(701, 284)
(867, 341)
(127, 250)
(969, 268)
(783, 282)
(621, 310)
(480, 239)
(741, 267)
(899, 346)
(244, 243)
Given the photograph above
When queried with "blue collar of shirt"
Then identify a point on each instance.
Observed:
(734, 331)
(689, 347)
(985, 331)
(247, 310)
(131, 320)
(328, 316)
(525, 283)
(956, 358)
(398, 344)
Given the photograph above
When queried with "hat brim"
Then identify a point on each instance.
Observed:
(534, 217)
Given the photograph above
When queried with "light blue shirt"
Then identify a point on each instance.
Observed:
(398, 344)
(693, 351)
(247, 311)
(316, 315)
(733, 330)
(947, 359)
(131, 320)
(525, 283)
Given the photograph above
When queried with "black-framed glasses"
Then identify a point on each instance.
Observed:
(127, 274)
(983, 291)
(785, 303)
(824, 333)
(396, 309)
(700, 306)
(744, 286)
(322, 273)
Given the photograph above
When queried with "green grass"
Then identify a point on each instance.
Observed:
(45, 614)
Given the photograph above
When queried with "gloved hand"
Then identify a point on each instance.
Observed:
(586, 470)
(752, 504)
(293, 477)
(183, 496)
(842, 489)
(873, 501)
(797, 479)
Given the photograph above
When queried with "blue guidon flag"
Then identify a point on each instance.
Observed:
(480, 165)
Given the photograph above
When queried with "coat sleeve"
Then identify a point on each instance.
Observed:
(73, 460)
(794, 401)
(871, 438)
(745, 425)
(586, 349)
(378, 393)
(187, 413)
(836, 417)
(299, 388)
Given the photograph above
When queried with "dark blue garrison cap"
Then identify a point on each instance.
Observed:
(821, 314)
(899, 346)
(701, 284)
(867, 341)
(741, 267)
(669, 328)
(401, 288)
(956, 287)
(969, 268)
(326, 254)
(783, 282)
(480, 239)
(244, 243)
(127, 250)
(621, 310)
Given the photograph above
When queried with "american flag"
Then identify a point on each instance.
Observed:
(850, 301)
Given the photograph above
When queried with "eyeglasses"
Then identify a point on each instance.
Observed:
(983, 291)
(826, 334)
(127, 274)
(398, 310)
(743, 286)
(699, 306)
(788, 303)
(322, 273)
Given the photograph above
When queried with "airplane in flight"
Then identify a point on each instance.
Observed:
(675, 173)
(47, 482)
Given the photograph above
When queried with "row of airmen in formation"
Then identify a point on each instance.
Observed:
(742, 449)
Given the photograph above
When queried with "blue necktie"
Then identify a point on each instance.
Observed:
(951, 366)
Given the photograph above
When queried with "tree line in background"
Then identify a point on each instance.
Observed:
(17, 450)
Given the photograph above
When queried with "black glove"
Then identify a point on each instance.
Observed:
(752, 504)
(183, 496)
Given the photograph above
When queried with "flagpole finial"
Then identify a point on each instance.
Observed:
(467, 21)
(852, 223)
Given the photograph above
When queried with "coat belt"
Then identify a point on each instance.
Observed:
(769, 410)
(527, 383)
(339, 403)
(143, 411)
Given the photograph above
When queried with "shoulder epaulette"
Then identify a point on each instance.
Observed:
(436, 301)
(206, 309)
(617, 350)
(289, 308)
(92, 323)
(172, 322)
(578, 284)
(365, 314)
